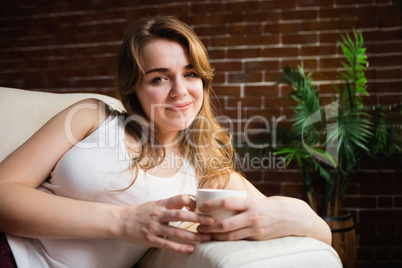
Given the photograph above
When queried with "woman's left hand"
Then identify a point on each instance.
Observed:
(265, 218)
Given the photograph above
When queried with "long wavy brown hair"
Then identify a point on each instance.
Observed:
(212, 158)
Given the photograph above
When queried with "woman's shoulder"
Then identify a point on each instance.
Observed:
(89, 112)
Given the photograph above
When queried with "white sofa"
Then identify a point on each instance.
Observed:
(23, 112)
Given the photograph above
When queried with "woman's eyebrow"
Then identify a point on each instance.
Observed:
(189, 67)
(164, 70)
(157, 70)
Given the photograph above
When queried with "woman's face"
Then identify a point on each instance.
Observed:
(171, 92)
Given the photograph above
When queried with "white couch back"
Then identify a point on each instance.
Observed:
(23, 112)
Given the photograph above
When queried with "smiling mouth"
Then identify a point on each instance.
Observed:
(181, 107)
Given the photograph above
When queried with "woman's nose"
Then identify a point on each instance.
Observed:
(178, 89)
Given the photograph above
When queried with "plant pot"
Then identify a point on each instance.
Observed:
(344, 238)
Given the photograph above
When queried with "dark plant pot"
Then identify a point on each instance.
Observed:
(344, 238)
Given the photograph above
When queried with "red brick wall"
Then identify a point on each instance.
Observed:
(69, 46)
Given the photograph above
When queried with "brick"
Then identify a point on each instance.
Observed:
(324, 76)
(385, 202)
(206, 41)
(262, 16)
(244, 53)
(390, 34)
(227, 66)
(303, 3)
(230, 113)
(216, 53)
(390, 87)
(299, 38)
(286, 90)
(284, 176)
(195, 19)
(245, 102)
(360, 202)
(389, 100)
(219, 78)
(243, 5)
(269, 189)
(339, 12)
(261, 90)
(348, 2)
(173, 10)
(388, 46)
(263, 40)
(227, 90)
(254, 176)
(320, 25)
(87, 50)
(389, 73)
(265, 113)
(308, 64)
(202, 8)
(245, 77)
(261, 65)
(280, 52)
(278, 4)
(223, 18)
(210, 30)
(356, 23)
(245, 28)
(366, 228)
(316, 50)
(330, 37)
(364, 254)
(299, 14)
(293, 189)
(398, 202)
(227, 41)
(271, 101)
(385, 60)
(331, 62)
(281, 27)
(388, 10)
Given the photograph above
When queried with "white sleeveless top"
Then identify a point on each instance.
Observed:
(95, 169)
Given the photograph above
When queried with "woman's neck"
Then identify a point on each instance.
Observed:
(169, 139)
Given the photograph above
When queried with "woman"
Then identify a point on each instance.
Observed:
(96, 188)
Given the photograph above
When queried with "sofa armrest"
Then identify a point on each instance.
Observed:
(23, 112)
(281, 252)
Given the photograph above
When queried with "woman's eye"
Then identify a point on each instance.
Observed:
(157, 79)
(191, 75)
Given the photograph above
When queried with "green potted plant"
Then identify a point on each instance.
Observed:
(329, 143)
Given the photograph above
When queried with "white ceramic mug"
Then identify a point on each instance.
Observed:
(204, 195)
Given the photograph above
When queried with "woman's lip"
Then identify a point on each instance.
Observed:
(179, 106)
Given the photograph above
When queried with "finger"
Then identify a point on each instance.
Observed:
(187, 216)
(181, 234)
(178, 202)
(244, 233)
(230, 203)
(222, 226)
(193, 206)
(161, 242)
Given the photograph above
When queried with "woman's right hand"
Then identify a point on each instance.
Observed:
(148, 224)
